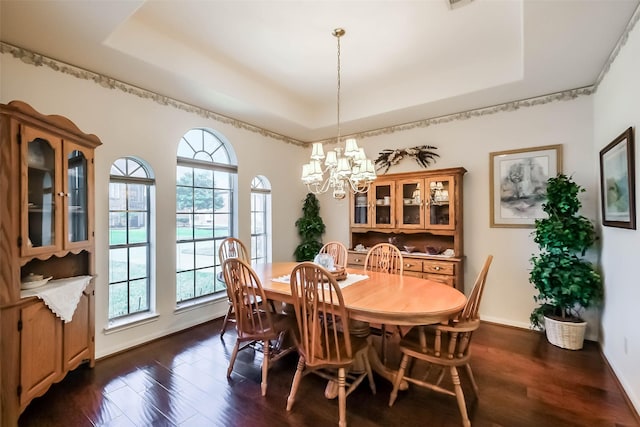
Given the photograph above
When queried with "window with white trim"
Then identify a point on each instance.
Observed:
(260, 220)
(131, 187)
(204, 212)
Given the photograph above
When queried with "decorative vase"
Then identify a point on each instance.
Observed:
(569, 335)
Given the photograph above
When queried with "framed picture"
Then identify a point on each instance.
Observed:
(518, 184)
(617, 182)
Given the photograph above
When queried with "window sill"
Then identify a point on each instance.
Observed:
(200, 302)
(130, 322)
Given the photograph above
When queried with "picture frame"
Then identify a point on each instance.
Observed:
(518, 182)
(617, 182)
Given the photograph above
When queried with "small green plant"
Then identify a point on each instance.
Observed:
(310, 228)
(566, 283)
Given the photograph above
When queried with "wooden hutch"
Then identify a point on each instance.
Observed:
(47, 228)
(418, 210)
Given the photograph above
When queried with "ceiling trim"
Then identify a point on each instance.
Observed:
(36, 59)
(565, 95)
(107, 82)
(616, 50)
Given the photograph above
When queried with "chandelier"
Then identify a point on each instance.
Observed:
(346, 169)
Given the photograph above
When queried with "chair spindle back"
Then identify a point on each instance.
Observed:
(319, 308)
(470, 311)
(232, 248)
(338, 251)
(384, 257)
(246, 294)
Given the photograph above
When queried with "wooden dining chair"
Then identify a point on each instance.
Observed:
(253, 322)
(445, 345)
(325, 348)
(387, 258)
(231, 248)
(384, 257)
(338, 251)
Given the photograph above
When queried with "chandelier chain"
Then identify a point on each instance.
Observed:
(338, 35)
(347, 169)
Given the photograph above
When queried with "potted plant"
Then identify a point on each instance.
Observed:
(565, 281)
(310, 228)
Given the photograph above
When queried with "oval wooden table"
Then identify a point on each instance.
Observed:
(382, 298)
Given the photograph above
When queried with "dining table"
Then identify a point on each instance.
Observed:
(376, 297)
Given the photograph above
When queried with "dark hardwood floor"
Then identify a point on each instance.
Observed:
(181, 381)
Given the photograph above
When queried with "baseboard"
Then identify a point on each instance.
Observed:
(505, 322)
(521, 325)
(148, 339)
(633, 405)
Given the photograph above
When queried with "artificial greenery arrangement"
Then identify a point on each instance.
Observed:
(310, 229)
(423, 155)
(566, 283)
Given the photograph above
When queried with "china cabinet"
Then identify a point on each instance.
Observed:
(421, 213)
(46, 223)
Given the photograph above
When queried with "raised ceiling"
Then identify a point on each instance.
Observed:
(273, 63)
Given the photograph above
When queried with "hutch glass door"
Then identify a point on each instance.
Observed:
(410, 204)
(77, 214)
(360, 210)
(440, 213)
(384, 204)
(40, 191)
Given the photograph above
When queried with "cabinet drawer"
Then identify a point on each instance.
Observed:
(409, 264)
(447, 280)
(356, 259)
(413, 274)
(438, 267)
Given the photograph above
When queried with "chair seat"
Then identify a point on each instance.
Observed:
(280, 322)
(338, 358)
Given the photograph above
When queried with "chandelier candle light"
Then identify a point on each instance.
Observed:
(347, 170)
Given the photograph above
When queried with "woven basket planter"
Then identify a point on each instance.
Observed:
(569, 335)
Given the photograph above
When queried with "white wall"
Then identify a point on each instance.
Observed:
(509, 296)
(616, 107)
(132, 126)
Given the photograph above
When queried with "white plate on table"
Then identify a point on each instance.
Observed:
(34, 283)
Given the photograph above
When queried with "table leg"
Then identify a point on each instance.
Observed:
(361, 329)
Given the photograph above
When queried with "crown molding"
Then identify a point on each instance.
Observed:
(616, 50)
(469, 114)
(485, 111)
(37, 60)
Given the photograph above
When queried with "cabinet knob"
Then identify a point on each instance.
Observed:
(61, 194)
(436, 268)
(356, 259)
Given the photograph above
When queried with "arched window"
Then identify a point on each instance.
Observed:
(260, 220)
(131, 187)
(204, 212)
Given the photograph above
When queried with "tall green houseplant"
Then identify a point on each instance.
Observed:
(565, 281)
(310, 228)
